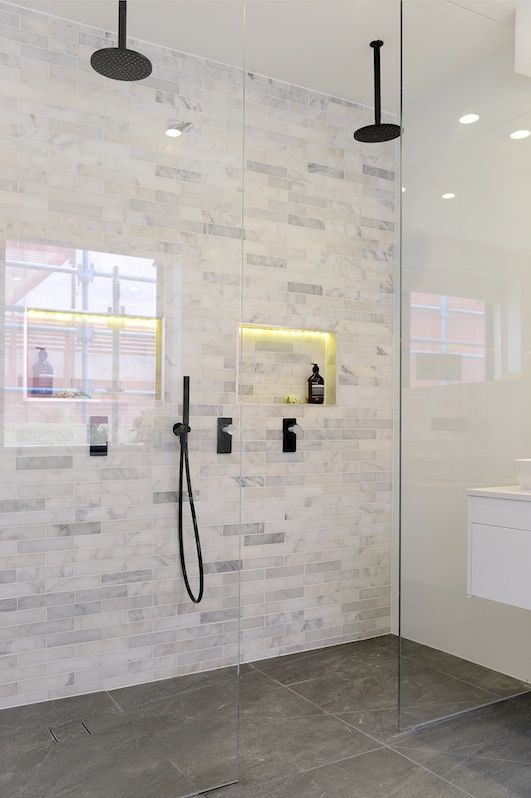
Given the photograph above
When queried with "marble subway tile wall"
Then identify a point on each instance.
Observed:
(91, 594)
(319, 221)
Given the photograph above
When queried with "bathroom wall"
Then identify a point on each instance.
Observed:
(91, 594)
(319, 220)
(463, 430)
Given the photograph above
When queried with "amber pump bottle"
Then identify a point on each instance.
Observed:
(315, 387)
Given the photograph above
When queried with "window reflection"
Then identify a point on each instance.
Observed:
(80, 327)
(448, 339)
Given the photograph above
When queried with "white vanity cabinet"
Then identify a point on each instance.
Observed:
(499, 545)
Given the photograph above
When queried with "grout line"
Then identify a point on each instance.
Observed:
(116, 704)
(385, 745)
(293, 773)
(427, 770)
(324, 711)
(381, 744)
(172, 694)
(494, 700)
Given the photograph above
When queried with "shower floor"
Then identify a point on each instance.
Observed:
(320, 724)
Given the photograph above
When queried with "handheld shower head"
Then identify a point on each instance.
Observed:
(380, 131)
(120, 63)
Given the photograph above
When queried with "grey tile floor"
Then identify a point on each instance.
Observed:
(320, 725)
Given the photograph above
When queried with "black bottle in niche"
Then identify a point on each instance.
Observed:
(315, 387)
(42, 382)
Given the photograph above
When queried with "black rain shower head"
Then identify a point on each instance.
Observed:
(120, 63)
(380, 131)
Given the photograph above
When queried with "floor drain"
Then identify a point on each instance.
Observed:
(69, 731)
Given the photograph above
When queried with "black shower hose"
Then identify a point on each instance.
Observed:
(182, 430)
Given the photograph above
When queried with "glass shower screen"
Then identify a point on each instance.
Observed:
(121, 238)
(466, 297)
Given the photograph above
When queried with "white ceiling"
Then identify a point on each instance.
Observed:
(320, 44)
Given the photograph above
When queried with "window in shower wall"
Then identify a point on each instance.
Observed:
(80, 327)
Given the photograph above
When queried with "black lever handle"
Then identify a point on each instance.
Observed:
(289, 437)
(224, 443)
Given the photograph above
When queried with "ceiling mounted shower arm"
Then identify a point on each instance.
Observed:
(122, 24)
(121, 63)
(379, 131)
(376, 45)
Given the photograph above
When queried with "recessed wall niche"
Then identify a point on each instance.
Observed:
(275, 363)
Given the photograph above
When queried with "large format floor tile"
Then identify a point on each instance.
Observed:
(270, 748)
(320, 724)
(485, 678)
(375, 686)
(131, 697)
(283, 733)
(486, 752)
(377, 774)
(350, 660)
(157, 740)
(118, 765)
(35, 720)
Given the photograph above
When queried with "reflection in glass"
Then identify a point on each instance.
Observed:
(448, 339)
(81, 326)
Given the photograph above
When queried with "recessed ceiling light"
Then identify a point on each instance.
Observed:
(468, 119)
(520, 134)
(173, 131)
(448, 195)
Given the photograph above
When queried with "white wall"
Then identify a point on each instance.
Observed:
(456, 434)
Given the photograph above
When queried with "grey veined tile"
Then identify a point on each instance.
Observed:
(33, 463)
(80, 528)
(197, 730)
(376, 774)
(501, 731)
(376, 687)
(261, 697)
(130, 698)
(123, 577)
(305, 288)
(21, 505)
(36, 719)
(306, 221)
(326, 170)
(275, 746)
(350, 659)
(164, 497)
(243, 529)
(123, 763)
(487, 679)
